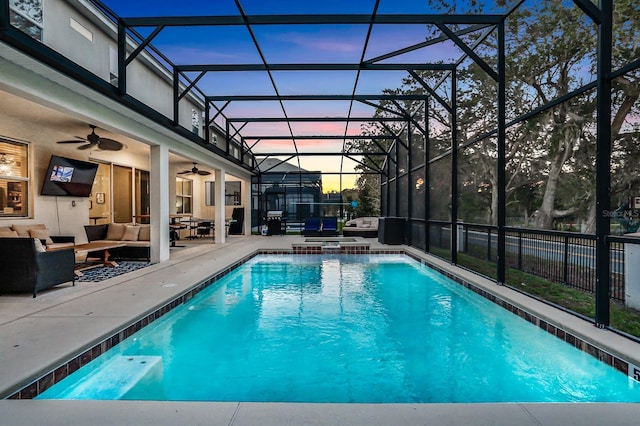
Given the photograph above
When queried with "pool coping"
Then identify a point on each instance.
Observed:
(570, 328)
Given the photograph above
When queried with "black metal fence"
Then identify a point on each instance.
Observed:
(440, 235)
(567, 258)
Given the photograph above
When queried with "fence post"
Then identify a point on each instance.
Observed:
(466, 239)
(489, 244)
(520, 250)
(565, 272)
(603, 162)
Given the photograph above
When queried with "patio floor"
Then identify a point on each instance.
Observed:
(38, 334)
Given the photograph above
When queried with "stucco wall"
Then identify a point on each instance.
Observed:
(146, 80)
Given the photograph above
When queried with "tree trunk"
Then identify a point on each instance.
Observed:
(544, 217)
(494, 207)
(591, 219)
(494, 199)
(567, 133)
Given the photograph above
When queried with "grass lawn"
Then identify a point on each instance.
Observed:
(624, 319)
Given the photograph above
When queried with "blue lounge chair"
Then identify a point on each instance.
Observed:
(329, 226)
(311, 226)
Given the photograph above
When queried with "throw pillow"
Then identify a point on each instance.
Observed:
(38, 244)
(130, 233)
(115, 231)
(42, 234)
(23, 230)
(145, 233)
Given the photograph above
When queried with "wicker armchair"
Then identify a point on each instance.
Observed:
(24, 269)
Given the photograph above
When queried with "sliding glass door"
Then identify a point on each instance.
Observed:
(122, 194)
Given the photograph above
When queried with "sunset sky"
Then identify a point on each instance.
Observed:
(286, 44)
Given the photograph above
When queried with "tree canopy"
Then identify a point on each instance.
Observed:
(551, 57)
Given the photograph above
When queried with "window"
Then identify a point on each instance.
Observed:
(183, 195)
(14, 178)
(232, 193)
(142, 191)
(113, 65)
(209, 193)
(100, 200)
(26, 15)
(81, 29)
(122, 193)
(195, 122)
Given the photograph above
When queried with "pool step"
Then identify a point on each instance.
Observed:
(117, 377)
(331, 246)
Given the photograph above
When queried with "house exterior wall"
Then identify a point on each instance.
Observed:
(147, 81)
(30, 80)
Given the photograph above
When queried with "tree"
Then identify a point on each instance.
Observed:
(547, 48)
(551, 48)
(625, 131)
(368, 183)
(369, 204)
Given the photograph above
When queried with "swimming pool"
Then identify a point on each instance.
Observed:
(356, 328)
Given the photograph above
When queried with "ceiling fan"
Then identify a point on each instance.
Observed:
(93, 140)
(195, 171)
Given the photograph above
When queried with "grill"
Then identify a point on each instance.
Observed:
(274, 222)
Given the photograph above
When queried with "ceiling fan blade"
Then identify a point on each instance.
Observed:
(76, 141)
(87, 146)
(203, 173)
(184, 172)
(109, 144)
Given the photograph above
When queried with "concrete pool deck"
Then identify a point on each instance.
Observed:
(39, 334)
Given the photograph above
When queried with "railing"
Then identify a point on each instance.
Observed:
(563, 257)
(567, 258)
(439, 234)
(480, 241)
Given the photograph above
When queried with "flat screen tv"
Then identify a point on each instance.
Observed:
(69, 177)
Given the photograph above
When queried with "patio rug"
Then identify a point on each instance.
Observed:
(102, 273)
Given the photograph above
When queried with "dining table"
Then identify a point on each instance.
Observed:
(192, 224)
(175, 223)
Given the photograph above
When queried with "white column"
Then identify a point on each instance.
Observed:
(246, 202)
(460, 242)
(159, 201)
(220, 226)
(632, 273)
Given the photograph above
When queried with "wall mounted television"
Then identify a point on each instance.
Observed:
(68, 177)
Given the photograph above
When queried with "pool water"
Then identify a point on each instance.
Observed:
(355, 328)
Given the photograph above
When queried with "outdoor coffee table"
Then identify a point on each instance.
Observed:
(104, 247)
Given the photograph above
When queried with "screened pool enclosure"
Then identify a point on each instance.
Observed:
(504, 134)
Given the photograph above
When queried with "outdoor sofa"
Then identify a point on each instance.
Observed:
(40, 231)
(361, 227)
(137, 239)
(27, 267)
